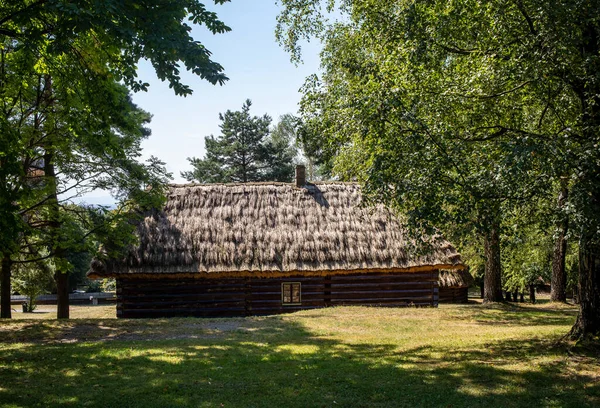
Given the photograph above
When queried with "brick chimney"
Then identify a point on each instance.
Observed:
(300, 175)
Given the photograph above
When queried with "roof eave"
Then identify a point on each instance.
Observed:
(140, 273)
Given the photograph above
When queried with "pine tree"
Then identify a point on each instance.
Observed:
(245, 151)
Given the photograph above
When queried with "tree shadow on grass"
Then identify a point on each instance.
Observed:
(285, 364)
(514, 314)
(70, 331)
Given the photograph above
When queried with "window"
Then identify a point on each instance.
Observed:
(290, 293)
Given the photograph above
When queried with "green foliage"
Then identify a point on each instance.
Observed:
(125, 32)
(245, 151)
(80, 262)
(94, 143)
(59, 92)
(66, 71)
(33, 279)
(108, 285)
(471, 251)
(318, 163)
(527, 259)
(449, 152)
(94, 286)
(281, 151)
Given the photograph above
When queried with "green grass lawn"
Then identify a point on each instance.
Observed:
(453, 356)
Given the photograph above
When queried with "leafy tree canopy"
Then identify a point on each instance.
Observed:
(65, 142)
(246, 150)
(125, 32)
(455, 111)
(67, 121)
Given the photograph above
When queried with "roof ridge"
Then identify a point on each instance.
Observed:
(260, 183)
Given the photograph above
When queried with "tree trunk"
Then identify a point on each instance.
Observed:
(492, 279)
(481, 287)
(5, 310)
(532, 293)
(62, 292)
(558, 288)
(61, 277)
(522, 298)
(588, 320)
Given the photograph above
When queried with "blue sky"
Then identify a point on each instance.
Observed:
(257, 67)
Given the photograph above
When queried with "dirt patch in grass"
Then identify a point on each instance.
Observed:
(89, 323)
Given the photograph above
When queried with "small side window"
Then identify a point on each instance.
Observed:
(290, 293)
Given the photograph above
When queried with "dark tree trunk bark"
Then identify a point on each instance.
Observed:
(558, 287)
(5, 310)
(62, 298)
(532, 293)
(522, 298)
(60, 277)
(482, 287)
(588, 320)
(492, 280)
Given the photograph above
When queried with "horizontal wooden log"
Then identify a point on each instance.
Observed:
(381, 295)
(391, 284)
(277, 295)
(453, 295)
(385, 277)
(229, 303)
(177, 282)
(311, 289)
(189, 296)
(303, 280)
(284, 309)
(382, 300)
(375, 288)
(186, 289)
(271, 303)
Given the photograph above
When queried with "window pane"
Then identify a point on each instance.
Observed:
(287, 293)
(296, 293)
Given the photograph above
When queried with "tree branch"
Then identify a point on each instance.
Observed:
(521, 8)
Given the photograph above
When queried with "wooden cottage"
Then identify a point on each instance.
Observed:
(265, 248)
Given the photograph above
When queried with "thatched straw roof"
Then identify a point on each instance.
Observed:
(270, 229)
(458, 278)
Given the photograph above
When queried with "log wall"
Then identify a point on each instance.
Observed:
(454, 295)
(255, 296)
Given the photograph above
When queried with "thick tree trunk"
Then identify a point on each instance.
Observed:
(558, 288)
(62, 291)
(532, 293)
(5, 310)
(60, 277)
(588, 321)
(492, 280)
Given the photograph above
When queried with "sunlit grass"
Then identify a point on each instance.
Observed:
(458, 356)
